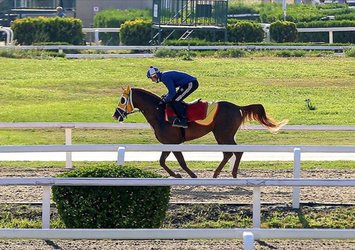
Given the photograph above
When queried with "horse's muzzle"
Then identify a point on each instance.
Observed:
(119, 115)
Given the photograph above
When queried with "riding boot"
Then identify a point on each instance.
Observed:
(180, 111)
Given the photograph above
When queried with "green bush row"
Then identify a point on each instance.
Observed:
(111, 206)
(43, 29)
(283, 31)
(138, 32)
(295, 12)
(113, 18)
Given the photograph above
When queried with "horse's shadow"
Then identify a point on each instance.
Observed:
(211, 192)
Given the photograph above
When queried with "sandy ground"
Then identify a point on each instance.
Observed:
(195, 194)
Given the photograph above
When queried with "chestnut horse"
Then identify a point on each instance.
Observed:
(226, 123)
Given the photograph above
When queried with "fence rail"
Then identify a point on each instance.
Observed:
(121, 149)
(152, 48)
(247, 235)
(330, 30)
(110, 125)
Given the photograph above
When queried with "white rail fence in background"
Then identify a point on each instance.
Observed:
(247, 234)
(97, 31)
(69, 126)
(330, 31)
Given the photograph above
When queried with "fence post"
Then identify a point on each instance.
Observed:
(68, 141)
(96, 37)
(248, 241)
(46, 207)
(120, 155)
(256, 207)
(296, 175)
(330, 36)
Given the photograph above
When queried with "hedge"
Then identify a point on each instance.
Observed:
(111, 206)
(48, 29)
(283, 31)
(137, 32)
(113, 18)
(245, 31)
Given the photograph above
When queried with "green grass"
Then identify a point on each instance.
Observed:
(206, 216)
(56, 136)
(229, 216)
(61, 90)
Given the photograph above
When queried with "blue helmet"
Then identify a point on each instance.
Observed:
(152, 71)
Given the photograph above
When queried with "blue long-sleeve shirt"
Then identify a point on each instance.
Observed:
(174, 79)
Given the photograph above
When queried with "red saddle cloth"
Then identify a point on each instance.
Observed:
(196, 110)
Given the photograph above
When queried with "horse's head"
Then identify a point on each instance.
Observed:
(125, 105)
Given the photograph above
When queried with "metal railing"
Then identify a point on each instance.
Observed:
(9, 35)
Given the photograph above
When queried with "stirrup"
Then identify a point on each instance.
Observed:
(179, 124)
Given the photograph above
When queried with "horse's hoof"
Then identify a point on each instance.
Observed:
(178, 176)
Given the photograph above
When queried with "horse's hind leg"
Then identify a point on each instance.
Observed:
(162, 161)
(238, 157)
(226, 157)
(181, 160)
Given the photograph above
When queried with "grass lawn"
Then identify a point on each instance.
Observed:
(61, 90)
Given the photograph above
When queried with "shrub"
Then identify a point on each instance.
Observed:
(111, 206)
(231, 53)
(43, 29)
(283, 31)
(136, 32)
(165, 52)
(245, 31)
(186, 42)
(113, 18)
(291, 53)
(350, 52)
(33, 54)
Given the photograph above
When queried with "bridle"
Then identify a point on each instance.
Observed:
(125, 106)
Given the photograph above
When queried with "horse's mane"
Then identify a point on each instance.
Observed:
(149, 94)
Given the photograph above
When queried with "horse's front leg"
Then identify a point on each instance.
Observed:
(162, 161)
(181, 160)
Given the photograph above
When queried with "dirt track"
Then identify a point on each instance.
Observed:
(209, 194)
(196, 194)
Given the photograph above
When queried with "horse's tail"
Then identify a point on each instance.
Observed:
(256, 112)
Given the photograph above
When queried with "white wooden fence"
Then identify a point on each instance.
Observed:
(330, 30)
(122, 149)
(69, 126)
(248, 235)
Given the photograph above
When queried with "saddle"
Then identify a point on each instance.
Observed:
(198, 111)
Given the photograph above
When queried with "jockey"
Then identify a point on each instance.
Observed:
(185, 83)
